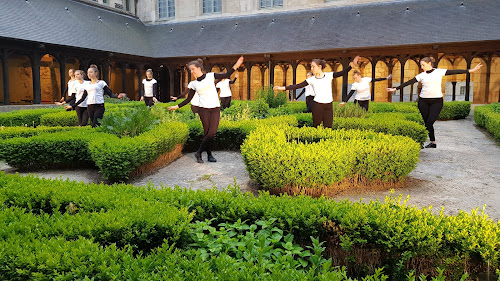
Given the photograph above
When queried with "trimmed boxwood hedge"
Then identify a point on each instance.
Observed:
(488, 116)
(308, 157)
(451, 109)
(62, 118)
(385, 123)
(84, 147)
(25, 132)
(28, 117)
(40, 237)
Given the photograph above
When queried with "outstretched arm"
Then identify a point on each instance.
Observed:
(383, 78)
(291, 87)
(409, 82)
(190, 96)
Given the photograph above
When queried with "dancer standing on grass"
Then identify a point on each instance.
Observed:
(149, 89)
(309, 91)
(96, 89)
(209, 109)
(322, 110)
(70, 90)
(362, 86)
(81, 99)
(430, 101)
(225, 91)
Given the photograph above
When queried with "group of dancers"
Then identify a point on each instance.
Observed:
(319, 95)
(87, 97)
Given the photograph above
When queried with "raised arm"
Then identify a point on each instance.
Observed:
(463, 71)
(347, 69)
(231, 70)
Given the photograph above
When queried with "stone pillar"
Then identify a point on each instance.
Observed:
(374, 67)
(401, 91)
(105, 71)
(294, 78)
(62, 72)
(124, 77)
(171, 80)
(139, 72)
(5, 76)
(467, 81)
(248, 66)
(35, 66)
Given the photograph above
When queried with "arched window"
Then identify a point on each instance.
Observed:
(166, 9)
(212, 6)
(270, 3)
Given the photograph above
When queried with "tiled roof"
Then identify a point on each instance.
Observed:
(395, 23)
(48, 21)
(379, 24)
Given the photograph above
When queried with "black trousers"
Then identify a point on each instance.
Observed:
(309, 103)
(96, 112)
(363, 103)
(430, 109)
(322, 112)
(195, 109)
(210, 120)
(83, 115)
(225, 102)
(149, 101)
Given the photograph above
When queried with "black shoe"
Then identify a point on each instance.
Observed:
(198, 157)
(211, 158)
(431, 145)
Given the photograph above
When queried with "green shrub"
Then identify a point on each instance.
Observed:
(246, 110)
(25, 132)
(488, 116)
(348, 110)
(28, 117)
(125, 121)
(116, 158)
(61, 149)
(36, 220)
(309, 157)
(272, 98)
(62, 119)
(385, 123)
(455, 110)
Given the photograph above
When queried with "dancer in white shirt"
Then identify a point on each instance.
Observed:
(430, 101)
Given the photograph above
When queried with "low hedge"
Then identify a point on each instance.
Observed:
(84, 147)
(25, 132)
(28, 117)
(488, 116)
(61, 149)
(231, 134)
(397, 237)
(451, 109)
(385, 123)
(62, 118)
(312, 158)
(116, 157)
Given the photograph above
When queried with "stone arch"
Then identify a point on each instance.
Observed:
(20, 79)
(256, 82)
(50, 79)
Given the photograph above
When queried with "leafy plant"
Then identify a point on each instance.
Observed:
(128, 122)
(272, 98)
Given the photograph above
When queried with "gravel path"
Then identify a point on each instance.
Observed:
(462, 173)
